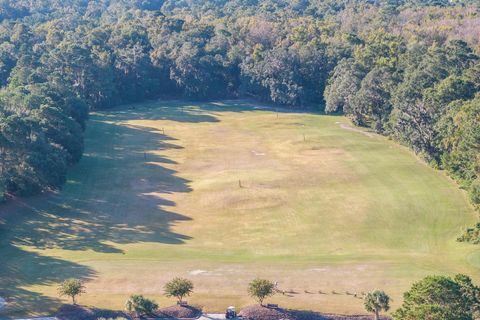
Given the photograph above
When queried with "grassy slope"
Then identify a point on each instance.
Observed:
(334, 211)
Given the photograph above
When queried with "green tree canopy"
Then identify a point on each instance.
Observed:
(179, 288)
(71, 288)
(377, 301)
(439, 297)
(261, 289)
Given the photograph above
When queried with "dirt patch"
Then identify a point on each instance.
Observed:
(198, 272)
(310, 315)
(257, 312)
(75, 312)
(347, 126)
(182, 312)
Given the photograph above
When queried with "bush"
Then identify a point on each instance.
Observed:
(472, 235)
(140, 305)
(475, 192)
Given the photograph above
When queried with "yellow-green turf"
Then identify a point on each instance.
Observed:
(225, 192)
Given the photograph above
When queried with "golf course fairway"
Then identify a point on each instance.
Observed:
(222, 193)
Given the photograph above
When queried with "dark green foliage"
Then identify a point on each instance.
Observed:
(438, 297)
(376, 301)
(459, 139)
(41, 129)
(140, 305)
(342, 87)
(30, 162)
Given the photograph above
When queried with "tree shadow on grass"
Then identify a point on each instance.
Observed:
(20, 268)
(195, 111)
(116, 195)
(178, 111)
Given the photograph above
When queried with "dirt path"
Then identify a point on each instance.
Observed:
(347, 126)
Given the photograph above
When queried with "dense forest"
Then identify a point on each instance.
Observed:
(408, 69)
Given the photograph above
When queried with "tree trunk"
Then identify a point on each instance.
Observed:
(376, 315)
(73, 299)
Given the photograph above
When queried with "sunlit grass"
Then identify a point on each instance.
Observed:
(222, 193)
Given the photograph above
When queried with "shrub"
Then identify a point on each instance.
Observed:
(471, 235)
(140, 305)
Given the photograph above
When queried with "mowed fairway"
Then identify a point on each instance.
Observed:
(222, 193)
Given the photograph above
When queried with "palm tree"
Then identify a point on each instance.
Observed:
(377, 301)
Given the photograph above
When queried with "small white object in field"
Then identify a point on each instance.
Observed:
(258, 153)
(3, 303)
(197, 272)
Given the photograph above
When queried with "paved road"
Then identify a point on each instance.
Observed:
(212, 316)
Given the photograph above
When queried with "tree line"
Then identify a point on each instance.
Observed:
(408, 69)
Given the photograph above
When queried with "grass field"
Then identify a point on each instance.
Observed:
(225, 192)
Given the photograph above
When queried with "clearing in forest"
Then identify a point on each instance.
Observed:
(224, 192)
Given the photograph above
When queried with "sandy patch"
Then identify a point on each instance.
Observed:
(197, 272)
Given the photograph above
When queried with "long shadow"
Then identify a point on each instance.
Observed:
(115, 195)
(243, 105)
(179, 111)
(110, 197)
(194, 111)
(20, 268)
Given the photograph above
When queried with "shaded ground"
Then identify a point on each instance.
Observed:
(178, 311)
(222, 193)
(75, 312)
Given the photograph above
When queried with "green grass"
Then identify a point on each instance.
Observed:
(320, 207)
